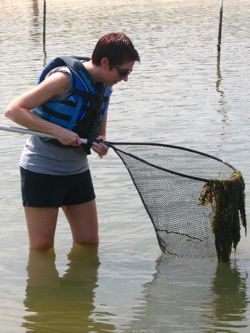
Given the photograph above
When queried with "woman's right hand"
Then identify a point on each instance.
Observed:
(67, 137)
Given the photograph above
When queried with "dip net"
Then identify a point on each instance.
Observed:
(194, 200)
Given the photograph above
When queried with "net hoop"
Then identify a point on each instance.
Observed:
(114, 145)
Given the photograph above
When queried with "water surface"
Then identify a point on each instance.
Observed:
(181, 93)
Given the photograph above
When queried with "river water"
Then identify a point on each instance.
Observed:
(181, 93)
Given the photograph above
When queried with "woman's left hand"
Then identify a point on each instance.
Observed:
(100, 148)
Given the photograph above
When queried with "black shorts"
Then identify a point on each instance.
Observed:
(42, 190)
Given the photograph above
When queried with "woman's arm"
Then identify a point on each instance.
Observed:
(20, 109)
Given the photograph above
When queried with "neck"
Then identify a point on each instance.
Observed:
(92, 70)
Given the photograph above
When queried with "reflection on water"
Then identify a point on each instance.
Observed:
(63, 304)
(35, 6)
(219, 79)
(35, 21)
(193, 296)
(229, 304)
(222, 98)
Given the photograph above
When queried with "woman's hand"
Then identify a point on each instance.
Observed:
(67, 137)
(100, 148)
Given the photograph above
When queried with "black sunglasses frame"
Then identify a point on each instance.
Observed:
(122, 71)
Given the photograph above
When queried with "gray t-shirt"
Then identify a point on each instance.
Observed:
(42, 156)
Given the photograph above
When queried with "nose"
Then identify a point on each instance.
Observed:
(125, 78)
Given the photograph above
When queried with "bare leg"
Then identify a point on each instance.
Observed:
(41, 223)
(83, 222)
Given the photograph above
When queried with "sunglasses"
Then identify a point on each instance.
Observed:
(122, 71)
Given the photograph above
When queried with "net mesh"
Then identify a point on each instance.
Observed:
(170, 180)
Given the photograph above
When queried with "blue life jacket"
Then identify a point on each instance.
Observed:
(83, 110)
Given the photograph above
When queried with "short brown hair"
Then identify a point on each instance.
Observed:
(117, 47)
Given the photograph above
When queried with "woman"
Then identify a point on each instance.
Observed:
(70, 101)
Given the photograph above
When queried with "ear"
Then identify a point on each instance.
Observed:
(104, 63)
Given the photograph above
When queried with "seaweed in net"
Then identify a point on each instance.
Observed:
(227, 199)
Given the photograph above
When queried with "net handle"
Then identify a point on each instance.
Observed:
(23, 130)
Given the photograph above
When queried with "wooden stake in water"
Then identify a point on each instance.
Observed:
(44, 22)
(220, 27)
(44, 30)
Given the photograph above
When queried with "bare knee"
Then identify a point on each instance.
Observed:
(41, 224)
(41, 244)
(91, 238)
(83, 222)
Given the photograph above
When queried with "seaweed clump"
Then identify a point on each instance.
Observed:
(227, 199)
